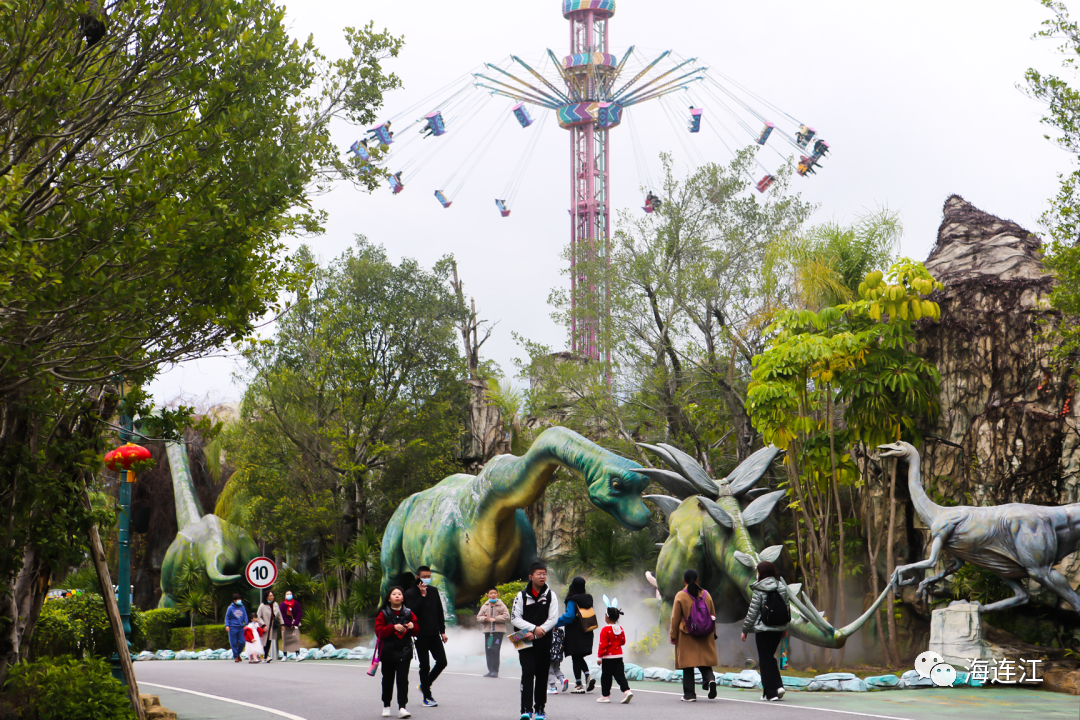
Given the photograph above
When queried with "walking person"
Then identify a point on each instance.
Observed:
(768, 618)
(291, 616)
(270, 615)
(556, 679)
(579, 620)
(535, 612)
(253, 645)
(425, 602)
(493, 617)
(395, 626)
(610, 655)
(236, 618)
(693, 633)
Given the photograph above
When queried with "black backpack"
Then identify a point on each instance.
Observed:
(774, 611)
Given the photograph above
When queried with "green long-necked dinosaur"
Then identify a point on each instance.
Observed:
(471, 529)
(713, 529)
(207, 541)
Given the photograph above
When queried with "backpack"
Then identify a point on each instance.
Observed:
(699, 622)
(775, 611)
(586, 618)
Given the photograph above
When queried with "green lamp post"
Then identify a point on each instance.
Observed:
(122, 460)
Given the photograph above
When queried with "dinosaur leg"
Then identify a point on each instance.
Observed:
(935, 552)
(528, 547)
(1051, 579)
(392, 556)
(448, 591)
(1020, 598)
(924, 586)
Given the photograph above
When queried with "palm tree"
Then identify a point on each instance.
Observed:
(195, 601)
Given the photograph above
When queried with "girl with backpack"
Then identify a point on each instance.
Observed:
(767, 618)
(395, 626)
(693, 633)
(580, 622)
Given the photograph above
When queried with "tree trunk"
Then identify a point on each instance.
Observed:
(890, 559)
(872, 551)
(840, 521)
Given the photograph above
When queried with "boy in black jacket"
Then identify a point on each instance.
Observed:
(424, 600)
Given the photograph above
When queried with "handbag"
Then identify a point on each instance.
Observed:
(375, 659)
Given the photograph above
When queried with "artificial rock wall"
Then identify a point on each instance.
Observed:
(1008, 429)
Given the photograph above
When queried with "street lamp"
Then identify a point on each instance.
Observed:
(122, 460)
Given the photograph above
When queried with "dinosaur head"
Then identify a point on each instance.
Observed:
(898, 449)
(616, 488)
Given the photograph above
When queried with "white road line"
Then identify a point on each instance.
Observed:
(726, 699)
(279, 713)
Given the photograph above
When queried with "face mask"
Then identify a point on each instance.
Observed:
(288, 596)
(238, 602)
(426, 581)
(493, 600)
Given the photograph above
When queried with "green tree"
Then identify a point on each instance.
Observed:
(856, 356)
(1062, 219)
(146, 180)
(354, 404)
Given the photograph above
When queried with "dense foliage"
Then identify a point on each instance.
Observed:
(65, 689)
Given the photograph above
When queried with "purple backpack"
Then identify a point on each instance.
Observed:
(699, 622)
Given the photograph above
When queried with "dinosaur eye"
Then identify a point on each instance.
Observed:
(615, 484)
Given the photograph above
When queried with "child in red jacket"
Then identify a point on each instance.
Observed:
(612, 639)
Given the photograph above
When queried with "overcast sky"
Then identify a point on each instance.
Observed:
(919, 100)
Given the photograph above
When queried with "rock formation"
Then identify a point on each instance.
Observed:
(1008, 427)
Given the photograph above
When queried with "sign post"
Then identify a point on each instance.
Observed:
(261, 573)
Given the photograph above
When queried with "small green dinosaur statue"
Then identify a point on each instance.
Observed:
(713, 530)
(471, 529)
(202, 540)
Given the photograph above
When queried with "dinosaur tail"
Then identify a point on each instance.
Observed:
(814, 629)
(188, 510)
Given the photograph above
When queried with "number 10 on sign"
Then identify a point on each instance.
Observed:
(261, 572)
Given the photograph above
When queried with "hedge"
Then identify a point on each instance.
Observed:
(64, 689)
(158, 625)
(78, 626)
(206, 636)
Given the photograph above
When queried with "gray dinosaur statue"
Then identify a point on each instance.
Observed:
(1013, 541)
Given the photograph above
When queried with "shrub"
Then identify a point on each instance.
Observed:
(206, 636)
(316, 627)
(78, 626)
(66, 689)
(157, 626)
(507, 591)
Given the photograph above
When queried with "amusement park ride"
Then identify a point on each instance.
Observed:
(589, 96)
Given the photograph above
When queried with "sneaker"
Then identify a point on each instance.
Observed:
(579, 689)
(627, 696)
(539, 715)
(591, 686)
(386, 712)
(775, 699)
(552, 690)
(430, 702)
(526, 716)
(403, 713)
(686, 699)
(780, 693)
(565, 685)
(603, 698)
(712, 690)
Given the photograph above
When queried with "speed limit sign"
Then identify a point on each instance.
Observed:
(261, 572)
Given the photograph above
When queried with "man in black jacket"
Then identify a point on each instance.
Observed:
(424, 600)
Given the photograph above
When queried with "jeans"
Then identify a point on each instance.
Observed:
(236, 640)
(689, 686)
(535, 663)
(613, 669)
(493, 646)
(580, 666)
(430, 644)
(767, 642)
(399, 670)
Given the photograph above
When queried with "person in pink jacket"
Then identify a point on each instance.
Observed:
(493, 617)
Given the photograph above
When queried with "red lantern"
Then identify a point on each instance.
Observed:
(125, 456)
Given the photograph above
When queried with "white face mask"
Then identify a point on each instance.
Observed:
(288, 596)
(426, 581)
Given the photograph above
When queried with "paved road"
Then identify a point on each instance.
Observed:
(340, 690)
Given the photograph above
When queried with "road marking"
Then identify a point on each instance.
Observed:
(726, 699)
(279, 713)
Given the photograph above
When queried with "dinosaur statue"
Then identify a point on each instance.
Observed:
(471, 529)
(714, 530)
(1013, 541)
(205, 540)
